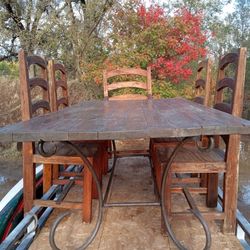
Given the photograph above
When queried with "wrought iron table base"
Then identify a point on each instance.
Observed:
(103, 202)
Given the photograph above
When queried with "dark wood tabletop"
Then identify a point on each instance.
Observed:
(100, 120)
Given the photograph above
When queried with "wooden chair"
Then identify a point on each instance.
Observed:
(58, 80)
(59, 99)
(191, 160)
(33, 75)
(202, 96)
(146, 86)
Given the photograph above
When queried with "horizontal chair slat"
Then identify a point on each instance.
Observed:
(64, 204)
(127, 84)
(198, 167)
(58, 159)
(127, 71)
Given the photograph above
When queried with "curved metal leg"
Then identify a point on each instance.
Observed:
(194, 210)
(94, 232)
(113, 149)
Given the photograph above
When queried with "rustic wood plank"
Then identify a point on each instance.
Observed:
(197, 190)
(146, 85)
(94, 120)
(63, 182)
(28, 176)
(64, 204)
(231, 184)
(228, 58)
(186, 180)
(47, 177)
(126, 71)
(225, 82)
(127, 84)
(60, 67)
(37, 81)
(199, 167)
(36, 60)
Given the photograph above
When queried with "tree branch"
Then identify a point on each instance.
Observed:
(105, 8)
(13, 15)
(5, 57)
(9, 50)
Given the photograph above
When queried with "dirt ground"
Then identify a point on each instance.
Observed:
(10, 168)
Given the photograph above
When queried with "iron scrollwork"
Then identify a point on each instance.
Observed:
(87, 164)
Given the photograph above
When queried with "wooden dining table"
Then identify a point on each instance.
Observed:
(112, 120)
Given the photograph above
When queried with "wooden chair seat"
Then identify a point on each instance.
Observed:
(191, 156)
(87, 149)
(190, 160)
(165, 139)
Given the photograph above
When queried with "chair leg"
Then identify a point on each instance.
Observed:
(28, 176)
(105, 147)
(47, 177)
(98, 163)
(231, 184)
(55, 174)
(168, 194)
(212, 190)
(87, 195)
(203, 180)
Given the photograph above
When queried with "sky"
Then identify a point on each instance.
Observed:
(228, 8)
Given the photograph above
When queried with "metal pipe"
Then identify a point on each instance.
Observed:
(20, 229)
(65, 191)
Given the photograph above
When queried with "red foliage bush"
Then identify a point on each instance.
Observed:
(181, 41)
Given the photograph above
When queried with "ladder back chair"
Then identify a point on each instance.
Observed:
(33, 104)
(59, 99)
(58, 80)
(202, 88)
(203, 82)
(145, 85)
(216, 160)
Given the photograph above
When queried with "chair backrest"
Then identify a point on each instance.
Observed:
(29, 80)
(127, 84)
(58, 80)
(235, 83)
(203, 82)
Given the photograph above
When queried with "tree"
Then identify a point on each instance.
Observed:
(21, 25)
(212, 22)
(67, 29)
(239, 20)
(168, 43)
